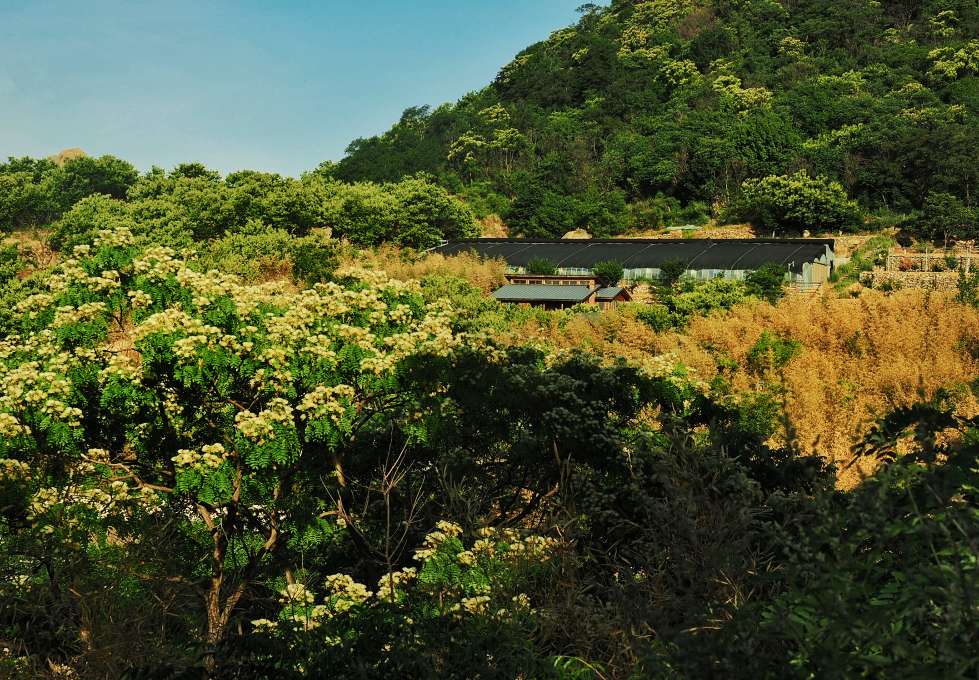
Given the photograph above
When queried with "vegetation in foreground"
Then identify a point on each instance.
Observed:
(248, 431)
(217, 467)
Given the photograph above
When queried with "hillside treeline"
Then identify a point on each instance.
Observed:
(193, 203)
(657, 112)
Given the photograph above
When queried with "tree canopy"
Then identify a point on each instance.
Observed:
(685, 100)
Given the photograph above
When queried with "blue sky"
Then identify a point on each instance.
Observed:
(274, 85)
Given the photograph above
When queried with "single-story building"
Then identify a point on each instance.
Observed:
(555, 291)
(809, 261)
(612, 295)
(548, 296)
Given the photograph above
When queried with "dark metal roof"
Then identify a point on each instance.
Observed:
(648, 253)
(609, 293)
(524, 292)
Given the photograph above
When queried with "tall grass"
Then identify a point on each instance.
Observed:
(486, 275)
(859, 358)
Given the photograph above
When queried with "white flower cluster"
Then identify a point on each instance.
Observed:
(139, 299)
(37, 386)
(98, 499)
(326, 402)
(346, 592)
(299, 608)
(260, 426)
(11, 427)
(13, 469)
(117, 238)
(434, 540)
(67, 315)
(389, 584)
(209, 456)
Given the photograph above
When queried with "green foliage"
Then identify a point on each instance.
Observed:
(10, 262)
(657, 317)
(174, 439)
(944, 218)
(968, 289)
(794, 203)
(671, 106)
(692, 298)
(771, 353)
(481, 198)
(539, 265)
(767, 282)
(413, 212)
(287, 409)
(608, 273)
(705, 297)
(34, 192)
(81, 224)
(670, 272)
(192, 203)
(876, 581)
(453, 615)
(872, 253)
(260, 252)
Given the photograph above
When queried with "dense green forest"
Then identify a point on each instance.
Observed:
(250, 429)
(657, 112)
(192, 203)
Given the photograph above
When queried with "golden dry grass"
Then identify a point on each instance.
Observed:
(492, 226)
(860, 357)
(487, 275)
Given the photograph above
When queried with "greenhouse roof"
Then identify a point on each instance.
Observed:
(648, 253)
(519, 292)
(608, 293)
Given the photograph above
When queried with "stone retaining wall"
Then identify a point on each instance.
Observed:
(944, 281)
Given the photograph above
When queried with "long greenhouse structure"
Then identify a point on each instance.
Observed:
(809, 261)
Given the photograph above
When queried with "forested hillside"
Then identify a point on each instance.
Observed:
(656, 112)
(252, 427)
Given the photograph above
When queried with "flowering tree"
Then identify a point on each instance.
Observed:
(425, 616)
(140, 386)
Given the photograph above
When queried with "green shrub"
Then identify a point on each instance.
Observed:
(314, 258)
(767, 282)
(871, 254)
(413, 212)
(968, 289)
(608, 273)
(701, 298)
(944, 218)
(258, 251)
(671, 271)
(483, 200)
(540, 265)
(876, 582)
(772, 352)
(81, 224)
(254, 252)
(657, 317)
(793, 203)
(10, 262)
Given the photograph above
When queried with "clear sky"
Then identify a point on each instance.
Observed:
(274, 85)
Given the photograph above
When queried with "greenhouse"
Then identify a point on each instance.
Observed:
(809, 261)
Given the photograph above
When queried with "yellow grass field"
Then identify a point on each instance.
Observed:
(860, 357)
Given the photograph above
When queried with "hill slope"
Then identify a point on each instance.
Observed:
(655, 112)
